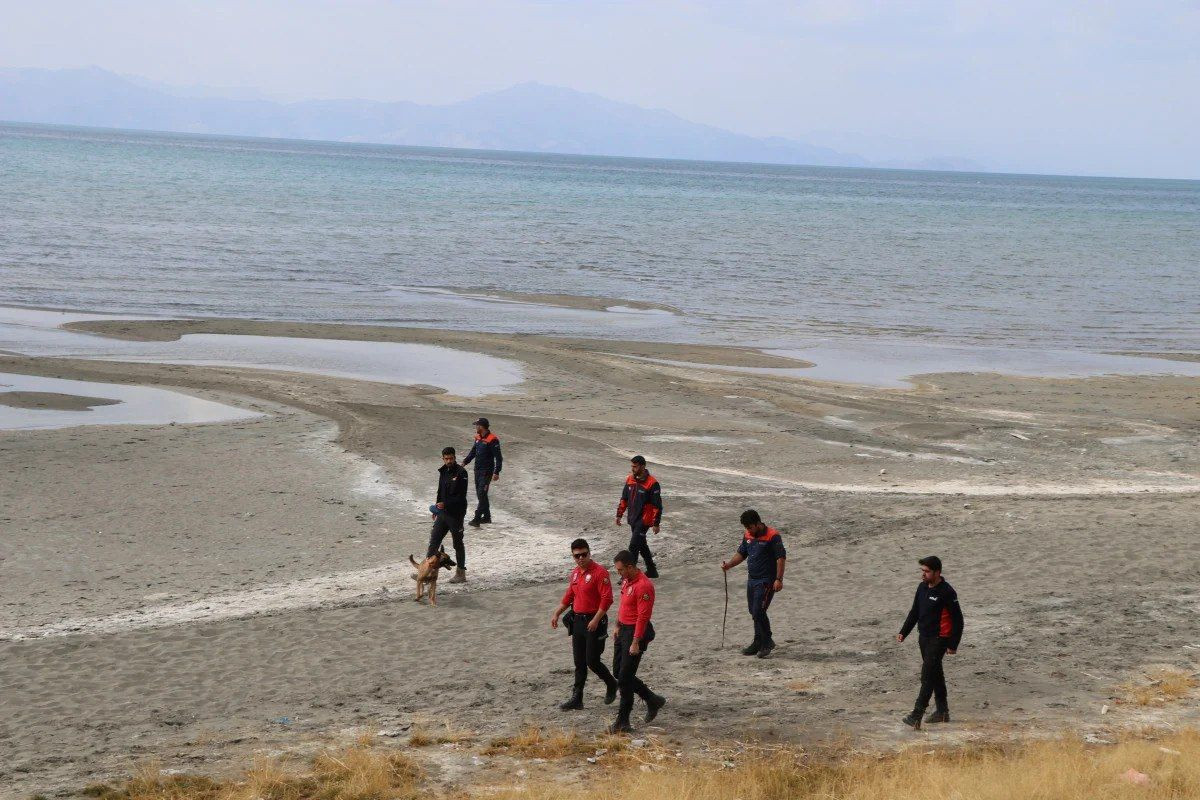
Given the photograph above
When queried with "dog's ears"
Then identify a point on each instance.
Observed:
(448, 564)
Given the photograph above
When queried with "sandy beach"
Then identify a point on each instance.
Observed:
(197, 593)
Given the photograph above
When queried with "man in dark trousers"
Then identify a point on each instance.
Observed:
(488, 461)
(939, 621)
(589, 595)
(762, 550)
(642, 498)
(449, 512)
(634, 634)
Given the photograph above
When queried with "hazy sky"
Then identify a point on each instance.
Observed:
(1047, 85)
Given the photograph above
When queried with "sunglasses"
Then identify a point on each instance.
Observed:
(578, 556)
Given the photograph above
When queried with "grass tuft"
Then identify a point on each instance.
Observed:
(353, 773)
(1159, 687)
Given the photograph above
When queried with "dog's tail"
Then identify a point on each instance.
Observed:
(413, 560)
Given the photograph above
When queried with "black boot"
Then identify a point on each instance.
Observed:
(766, 649)
(575, 703)
(654, 704)
(611, 694)
(939, 715)
(651, 570)
(752, 648)
(620, 726)
(474, 523)
(913, 720)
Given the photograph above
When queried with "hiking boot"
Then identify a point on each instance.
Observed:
(651, 572)
(938, 716)
(766, 649)
(653, 706)
(752, 648)
(474, 523)
(620, 726)
(611, 694)
(487, 521)
(460, 576)
(913, 720)
(575, 703)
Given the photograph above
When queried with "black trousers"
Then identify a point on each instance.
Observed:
(443, 524)
(758, 599)
(587, 647)
(933, 678)
(638, 545)
(625, 669)
(483, 508)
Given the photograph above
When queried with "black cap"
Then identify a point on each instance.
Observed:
(482, 421)
(638, 460)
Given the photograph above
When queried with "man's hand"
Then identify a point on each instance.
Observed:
(618, 519)
(950, 651)
(779, 584)
(554, 621)
(899, 637)
(594, 625)
(635, 648)
(496, 477)
(441, 505)
(725, 566)
(656, 529)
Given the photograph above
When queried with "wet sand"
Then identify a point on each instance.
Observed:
(196, 593)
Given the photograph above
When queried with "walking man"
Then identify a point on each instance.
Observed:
(449, 512)
(762, 550)
(642, 498)
(589, 595)
(939, 621)
(488, 460)
(634, 634)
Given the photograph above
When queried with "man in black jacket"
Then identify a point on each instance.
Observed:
(939, 621)
(450, 511)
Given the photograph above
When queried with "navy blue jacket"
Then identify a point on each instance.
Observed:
(761, 554)
(486, 455)
(936, 613)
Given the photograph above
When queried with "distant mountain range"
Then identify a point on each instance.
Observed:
(527, 117)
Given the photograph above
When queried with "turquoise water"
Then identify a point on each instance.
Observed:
(770, 256)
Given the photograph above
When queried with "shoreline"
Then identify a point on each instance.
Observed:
(323, 496)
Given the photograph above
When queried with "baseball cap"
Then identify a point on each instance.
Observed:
(482, 421)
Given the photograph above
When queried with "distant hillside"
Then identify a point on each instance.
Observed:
(530, 116)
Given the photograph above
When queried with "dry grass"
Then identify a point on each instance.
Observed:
(1166, 768)
(353, 773)
(447, 734)
(535, 742)
(1055, 770)
(1159, 687)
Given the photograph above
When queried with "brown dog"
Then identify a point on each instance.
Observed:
(427, 574)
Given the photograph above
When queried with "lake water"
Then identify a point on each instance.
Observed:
(782, 257)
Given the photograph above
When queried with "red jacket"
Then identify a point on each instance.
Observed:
(589, 590)
(643, 499)
(637, 604)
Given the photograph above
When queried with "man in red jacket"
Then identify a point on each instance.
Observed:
(642, 498)
(589, 595)
(634, 634)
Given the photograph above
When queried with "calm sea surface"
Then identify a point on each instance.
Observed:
(764, 255)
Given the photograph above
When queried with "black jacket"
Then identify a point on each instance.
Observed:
(452, 489)
(936, 613)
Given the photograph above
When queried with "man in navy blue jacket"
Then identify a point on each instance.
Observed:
(762, 550)
(939, 621)
(485, 452)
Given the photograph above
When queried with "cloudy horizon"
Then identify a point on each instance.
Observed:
(1080, 88)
